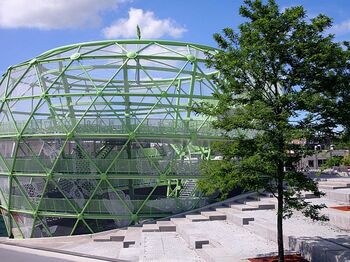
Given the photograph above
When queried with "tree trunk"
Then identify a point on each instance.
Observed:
(280, 221)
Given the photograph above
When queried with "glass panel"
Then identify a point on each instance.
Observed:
(33, 187)
(58, 226)
(81, 229)
(7, 126)
(25, 223)
(4, 187)
(6, 219)
(18, 200)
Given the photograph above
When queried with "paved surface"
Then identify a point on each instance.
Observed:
(19, 254)
(244, 228)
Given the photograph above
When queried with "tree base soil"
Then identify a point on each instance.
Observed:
(287, 258)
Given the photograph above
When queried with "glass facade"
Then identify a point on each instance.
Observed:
(101, 135)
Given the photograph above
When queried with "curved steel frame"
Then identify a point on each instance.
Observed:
(102, 131)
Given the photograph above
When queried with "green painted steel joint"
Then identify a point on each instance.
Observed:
(99, 92)
(135, 217)
(163, 94)
(194, 136)
(132, 135)
(43, 96)
(75, 56)
(131, 55)
(104, 176)
(80, 216)
(70, 135)
(49, 175)
(191, 58)
(33, 61)
(3, 99)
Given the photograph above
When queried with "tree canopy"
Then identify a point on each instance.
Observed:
(282, 81)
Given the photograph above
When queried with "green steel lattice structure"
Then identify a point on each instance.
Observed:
(100, 135)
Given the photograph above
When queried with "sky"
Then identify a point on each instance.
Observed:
(31, 27)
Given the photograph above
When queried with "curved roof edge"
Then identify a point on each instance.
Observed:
(128, 41)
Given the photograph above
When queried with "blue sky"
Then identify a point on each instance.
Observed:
(30, 27)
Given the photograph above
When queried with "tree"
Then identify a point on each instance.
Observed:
(280, 77)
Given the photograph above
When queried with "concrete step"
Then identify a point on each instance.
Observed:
(214, 215)
(242, 207)
(179, 220)
(150, 228)
(333, 186)
(309, 195)
(197, 218)
(342, 195)
(194, 238)
(130, 254)
(263, 198)
(263, 229)
(320, 249)
(166, 226)
(239, 218)
(332, 182)
(253, 206)
(115, 236)
(197, 242)
(261, 205)
(340, 219)
(132, 237)
(217, 254)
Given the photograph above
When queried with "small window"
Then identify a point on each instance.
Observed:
(320, 162)
(311, 163)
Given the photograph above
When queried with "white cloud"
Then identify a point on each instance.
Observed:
(151, 26)
(53, 14)
(341, 28)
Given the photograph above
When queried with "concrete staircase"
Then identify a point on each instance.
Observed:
(235, 229)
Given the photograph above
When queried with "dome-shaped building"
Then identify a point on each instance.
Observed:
(99, 135)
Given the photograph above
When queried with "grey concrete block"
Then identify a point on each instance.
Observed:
(214, 215)
(340, 219)
(243, 207)
(128, 244)
(117, 238)
(198, 243)
(166, 226)
(342, 195)
(220, 254)
(317, 249)
(197, 218)
(239, 219)
(261, 205)
(150, 228)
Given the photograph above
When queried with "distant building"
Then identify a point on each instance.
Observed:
(316, 160)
